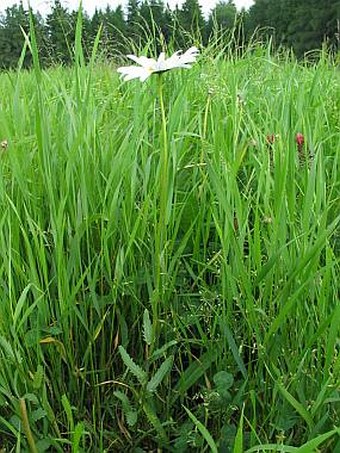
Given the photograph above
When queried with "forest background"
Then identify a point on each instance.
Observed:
(302, 26)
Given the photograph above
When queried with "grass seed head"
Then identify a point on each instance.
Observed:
(4, 145)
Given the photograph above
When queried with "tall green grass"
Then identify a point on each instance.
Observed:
(246, 351)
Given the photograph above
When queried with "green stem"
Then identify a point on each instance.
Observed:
(26, 426)
(161, 233)
(164, 176)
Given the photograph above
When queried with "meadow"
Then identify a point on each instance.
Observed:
(170, 256)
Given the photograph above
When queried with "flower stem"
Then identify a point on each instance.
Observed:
(164, 173)
(161, 233)
(26, 426)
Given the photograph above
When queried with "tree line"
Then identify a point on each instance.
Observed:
(301, 25)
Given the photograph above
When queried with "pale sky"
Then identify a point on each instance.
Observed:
(90, 5)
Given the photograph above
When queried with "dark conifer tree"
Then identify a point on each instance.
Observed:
(12, 38)
(222, 17)
(60, 33)
(153, 22)
(114, 29)
(191, 21)
(133, 19)
(300, 25)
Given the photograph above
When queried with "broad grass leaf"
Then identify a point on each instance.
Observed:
(203, 430)
(234, 349)
(20, 304)
(297, 406)
(313, 444)
(195, 371)
(271, 448)
(238, 445)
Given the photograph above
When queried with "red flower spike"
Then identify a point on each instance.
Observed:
(270, 138)
(300, 139)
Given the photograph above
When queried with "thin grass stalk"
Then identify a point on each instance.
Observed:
(26, 426)
(162, 226)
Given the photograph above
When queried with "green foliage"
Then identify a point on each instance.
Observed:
(234, 344)
(149, 384)
(301, 26)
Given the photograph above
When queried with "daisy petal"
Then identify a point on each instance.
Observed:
(134, 72)
(190, 55)
(143, 61)
(173, 61)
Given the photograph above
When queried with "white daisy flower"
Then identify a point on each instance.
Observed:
(148, 66)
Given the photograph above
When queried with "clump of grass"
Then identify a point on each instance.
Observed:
(246, 355)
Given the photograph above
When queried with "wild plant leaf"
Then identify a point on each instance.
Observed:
(53, 331)
(32, 337)
(123, 398)
(38, 377)
(223, 380)
(129, 411)
(38, 414)
(131, 417)
(44, 445)
(32, 398)
(6, 348)
(160, 374)
(135, 369)
(147, 328)
(162, 350)
(78, 433)
(68, 410)
(155, 421)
